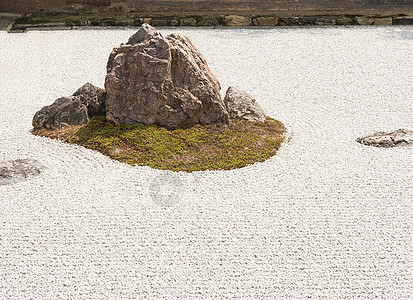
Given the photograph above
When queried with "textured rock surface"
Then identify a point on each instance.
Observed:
(64, 111)
(94, 99)
(383, 21)
(242, 106)
(344, 20)
(401, 137)
(290, 21)
(164, 81)
(265, 21)
(364, 20)
(86, 102)
(145, 32)
(234, 20)
(14, 171)
(188, 22)
(403, 21)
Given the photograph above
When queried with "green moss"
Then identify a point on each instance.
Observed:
(32, 21)
(209, 147)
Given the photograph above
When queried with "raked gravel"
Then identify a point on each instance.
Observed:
(326, 218)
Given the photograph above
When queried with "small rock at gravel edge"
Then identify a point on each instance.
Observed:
(401, 137)
(241, 105)
(86, 102)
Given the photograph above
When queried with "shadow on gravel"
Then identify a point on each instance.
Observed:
(166, 189)
(14, 171)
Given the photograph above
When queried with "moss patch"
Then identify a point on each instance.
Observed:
(210, 147)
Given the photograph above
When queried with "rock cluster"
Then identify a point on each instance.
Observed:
(401, 137)
(153, 79)
(86, 102)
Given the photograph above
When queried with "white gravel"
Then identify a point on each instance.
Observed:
(327, 218)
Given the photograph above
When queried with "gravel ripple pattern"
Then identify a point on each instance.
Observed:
(326, 218)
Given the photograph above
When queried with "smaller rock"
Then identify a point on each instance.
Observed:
(208, 21)
(266, 21)
(188, 22)
(364, 21)
(94, 99)
(234, 20)
(64, 111)
(401, 137)
(306, 20)
(84, 22)
(86, 102)
(290, 21)
(240, 105)
(403, 21)
(324, 21)
(383, 21)
(343, 20)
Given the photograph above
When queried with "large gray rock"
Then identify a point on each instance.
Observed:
(86, 102)
(161, 80)
(401, 137)
(240, 105)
